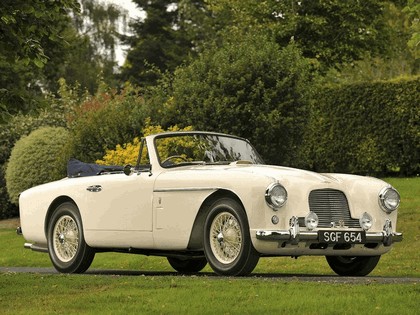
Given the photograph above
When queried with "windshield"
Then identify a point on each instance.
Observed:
(181, 149)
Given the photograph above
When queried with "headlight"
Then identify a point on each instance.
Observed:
(366, 221)
(276, 196)
(389, 199)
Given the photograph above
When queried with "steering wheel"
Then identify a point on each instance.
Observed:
(174, 157)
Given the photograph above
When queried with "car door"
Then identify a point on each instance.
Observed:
(117, 202)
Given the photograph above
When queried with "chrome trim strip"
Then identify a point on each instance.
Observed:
(186, 189)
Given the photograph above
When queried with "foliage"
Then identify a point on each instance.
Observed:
(413, 11)
(44, 41)
(55, 115)
(249, 87)
(368, 128)
(34, 160)
(105, 120)
(161, 41)
(102, 22)
(128, 152)
(332, 32)
(29, 32)
(24, 25)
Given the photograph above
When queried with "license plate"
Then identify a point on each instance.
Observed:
(346, 237)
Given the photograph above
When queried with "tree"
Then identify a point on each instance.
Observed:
(26, 27)
(332, 32)
(25, 24)
(79, 47)
(413, 11)
(249, 86)
(161, 41)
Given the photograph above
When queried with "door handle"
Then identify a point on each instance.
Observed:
(94, 188)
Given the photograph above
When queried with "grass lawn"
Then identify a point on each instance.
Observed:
(208, 294)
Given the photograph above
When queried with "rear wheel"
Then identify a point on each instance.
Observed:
(67, 248)
(357, 266)
(227, 242)
(187, 265)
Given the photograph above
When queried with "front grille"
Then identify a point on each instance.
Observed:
(331, 205)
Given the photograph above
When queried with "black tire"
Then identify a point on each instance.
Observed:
(358, 266)
(187, 265)
(227, 242)
(67, 248)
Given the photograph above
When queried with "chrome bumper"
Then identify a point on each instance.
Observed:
(282, 235)
(294, 235)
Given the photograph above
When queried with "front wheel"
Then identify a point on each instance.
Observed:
(357, 266)
(227, 242)
(67, 248)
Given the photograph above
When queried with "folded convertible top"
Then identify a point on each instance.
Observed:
(76, 168)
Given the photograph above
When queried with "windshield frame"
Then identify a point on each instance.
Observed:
(256, 158)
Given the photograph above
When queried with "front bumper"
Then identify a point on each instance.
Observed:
(294, 235)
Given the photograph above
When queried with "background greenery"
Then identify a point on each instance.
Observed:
(328, 86)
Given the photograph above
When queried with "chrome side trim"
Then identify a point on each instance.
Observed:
(186, 189)
(36, 248)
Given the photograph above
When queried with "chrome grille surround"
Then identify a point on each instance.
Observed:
(332, 208)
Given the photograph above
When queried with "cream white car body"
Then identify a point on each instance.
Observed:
(161, 210)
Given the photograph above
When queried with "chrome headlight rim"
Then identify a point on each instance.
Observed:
(383, 199)
(269, 197)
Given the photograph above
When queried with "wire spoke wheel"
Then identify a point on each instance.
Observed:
(227, 242)
(226, 237)
(67, 248)
(66, 238)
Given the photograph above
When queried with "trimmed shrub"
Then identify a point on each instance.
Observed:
(33, 160)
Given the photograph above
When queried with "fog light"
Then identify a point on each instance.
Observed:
(274, 219)
(311, 220)
(366, 221)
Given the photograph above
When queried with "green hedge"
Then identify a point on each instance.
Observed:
(34, 160)
(367, 128)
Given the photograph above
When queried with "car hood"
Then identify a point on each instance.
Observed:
(293, 176)
(279, 173)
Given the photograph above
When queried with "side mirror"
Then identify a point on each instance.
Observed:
(128, 170)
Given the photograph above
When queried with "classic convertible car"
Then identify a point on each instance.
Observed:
(202, 197)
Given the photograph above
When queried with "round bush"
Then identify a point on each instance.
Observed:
(36, 159)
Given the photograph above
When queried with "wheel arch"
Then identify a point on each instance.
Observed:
(56, 202)
(196, 237)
